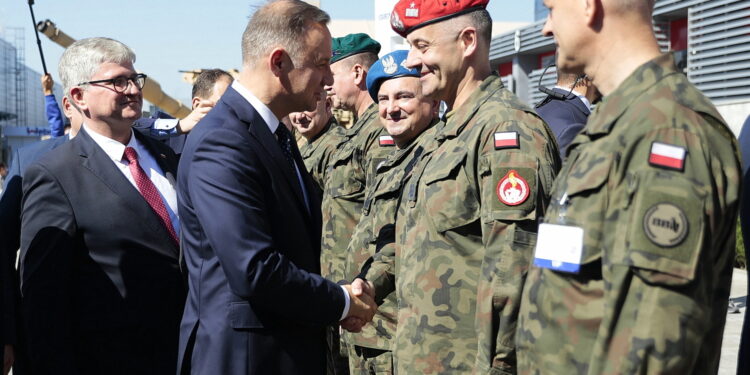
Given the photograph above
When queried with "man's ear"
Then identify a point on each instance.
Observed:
(468, 38)
(592, 12)
(277, 61)
(76, 96)
(196, 102)
(359, 73)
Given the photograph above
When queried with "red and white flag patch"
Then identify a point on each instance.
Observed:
(667, 156)
(506, 140)
(386, 140)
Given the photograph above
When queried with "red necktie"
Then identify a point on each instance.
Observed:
(149, 192)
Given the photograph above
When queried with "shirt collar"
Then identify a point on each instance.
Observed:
(262, 109)
(112, 148)
(578, 94)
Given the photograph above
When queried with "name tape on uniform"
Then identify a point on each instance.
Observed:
(667, 156)
(506, 140)
(559, 247)
(386, 140)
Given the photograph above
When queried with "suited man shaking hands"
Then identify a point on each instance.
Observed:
(251, 221)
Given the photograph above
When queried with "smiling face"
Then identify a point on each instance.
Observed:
(403, 110)
(101, 103)
(438, 57)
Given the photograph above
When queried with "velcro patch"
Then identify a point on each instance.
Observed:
(665, 224)
(386, 141)
(667, 156)
(513, 189)
(505, 140)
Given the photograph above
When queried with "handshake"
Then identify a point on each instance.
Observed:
(362, 305)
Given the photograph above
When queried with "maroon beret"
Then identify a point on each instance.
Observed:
(409, 15)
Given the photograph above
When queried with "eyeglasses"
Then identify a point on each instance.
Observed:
(120, 84)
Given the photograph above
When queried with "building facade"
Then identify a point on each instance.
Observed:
(709, 38)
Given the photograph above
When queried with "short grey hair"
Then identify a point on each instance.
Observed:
(480, 19)
(279, 23)
(82, 59)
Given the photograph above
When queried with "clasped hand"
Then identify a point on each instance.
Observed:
(362, 305)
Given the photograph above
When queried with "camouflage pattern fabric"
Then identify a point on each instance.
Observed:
(461, 253)
(658, 243)
(376, 229)
(348, 173)
(350, 169)
(317, 153)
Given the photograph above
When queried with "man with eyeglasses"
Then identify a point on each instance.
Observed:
(100, 282)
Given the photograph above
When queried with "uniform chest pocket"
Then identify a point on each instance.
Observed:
(583, 200)
(346, 177)
(450, 197)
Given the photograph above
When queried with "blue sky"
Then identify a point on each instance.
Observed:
(168, 36)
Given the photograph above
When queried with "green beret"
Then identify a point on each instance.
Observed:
(353, 44)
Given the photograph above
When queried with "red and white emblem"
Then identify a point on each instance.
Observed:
(506, 140)
(512, 189)
(667, 156)
(386, 140)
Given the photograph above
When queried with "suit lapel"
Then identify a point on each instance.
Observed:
(258, 128)
(100, 165)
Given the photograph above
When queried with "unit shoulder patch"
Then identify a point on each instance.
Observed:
(513, 189)
(665, 224)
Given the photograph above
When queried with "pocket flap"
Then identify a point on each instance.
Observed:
(242, 316)
(595, 167)
(448, 162)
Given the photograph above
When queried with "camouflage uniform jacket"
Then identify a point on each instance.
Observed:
(317, 153)
(350, 169)
(653, 181)
(376, 228)
(461, 254)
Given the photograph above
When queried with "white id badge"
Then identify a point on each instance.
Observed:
(559, 247)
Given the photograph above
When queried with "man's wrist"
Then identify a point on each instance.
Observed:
(347, 303)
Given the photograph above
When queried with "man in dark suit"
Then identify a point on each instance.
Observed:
(250, 220)
(207, 89)
(10, 236)
(567, 107)
(100, 282)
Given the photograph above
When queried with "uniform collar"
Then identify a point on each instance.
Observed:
(456, 119)
(641, 80)
(370, 112)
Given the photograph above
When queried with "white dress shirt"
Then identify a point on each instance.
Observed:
(273, 122)
(115, 151)
(583, 98)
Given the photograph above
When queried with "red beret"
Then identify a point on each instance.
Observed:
(409, 15)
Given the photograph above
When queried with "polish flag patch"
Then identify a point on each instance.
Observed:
(667, 156)
(506, 140)
(386, 140)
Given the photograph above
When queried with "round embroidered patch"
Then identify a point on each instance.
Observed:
(665, 224)
(512, 189)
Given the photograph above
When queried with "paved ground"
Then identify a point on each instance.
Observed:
(733, 328)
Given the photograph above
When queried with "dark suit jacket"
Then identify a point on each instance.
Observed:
(565, 118)
(10, 236)
(145, 126)
(743, 365)
(100, 282)
(257, 304)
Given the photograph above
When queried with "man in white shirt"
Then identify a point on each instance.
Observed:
(100, 282)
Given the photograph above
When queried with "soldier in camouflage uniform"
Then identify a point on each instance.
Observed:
(633, 263)
(409, 118)
(352, 165)
(322, 136)
(467, 222)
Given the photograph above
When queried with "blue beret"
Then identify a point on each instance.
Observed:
(389, 66)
